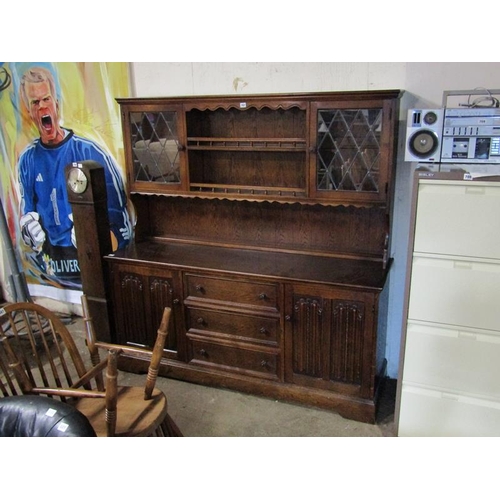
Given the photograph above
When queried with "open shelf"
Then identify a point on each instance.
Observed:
(259, 171)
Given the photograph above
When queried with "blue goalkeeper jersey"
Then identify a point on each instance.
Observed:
(43, 187)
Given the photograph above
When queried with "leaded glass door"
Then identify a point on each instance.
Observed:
(349, 160)
(157, 148)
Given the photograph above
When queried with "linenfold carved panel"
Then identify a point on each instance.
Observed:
(307, 346)
(347, 341)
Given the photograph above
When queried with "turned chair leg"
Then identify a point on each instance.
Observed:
(168, 428)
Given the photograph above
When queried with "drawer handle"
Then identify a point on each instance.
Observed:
(263, 331)
(200, 289)
(200, 321)
(264, 363)
(176, 302)
(262, 296)
(203, 353)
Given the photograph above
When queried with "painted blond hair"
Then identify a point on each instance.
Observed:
(37, 75)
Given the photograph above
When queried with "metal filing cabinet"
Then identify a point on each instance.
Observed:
(449, 381)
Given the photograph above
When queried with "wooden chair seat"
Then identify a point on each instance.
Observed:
(135, 416)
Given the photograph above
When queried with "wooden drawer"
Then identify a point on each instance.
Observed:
(246, 293)
(229, 357)
(240, 326)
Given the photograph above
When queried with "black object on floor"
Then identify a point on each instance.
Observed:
(39, 416)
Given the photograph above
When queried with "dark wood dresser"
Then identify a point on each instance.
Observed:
(263, 222)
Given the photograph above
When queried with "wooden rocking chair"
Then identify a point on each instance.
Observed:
(39, 356)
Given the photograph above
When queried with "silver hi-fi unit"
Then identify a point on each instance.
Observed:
(471, 135)
(424, 132)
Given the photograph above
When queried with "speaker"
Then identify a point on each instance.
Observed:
(424, 131)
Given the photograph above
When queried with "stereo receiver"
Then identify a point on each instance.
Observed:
(457, 135)
(471, 135)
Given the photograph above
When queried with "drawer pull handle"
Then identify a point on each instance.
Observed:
(203, 353)
(264, 363)
(263, 331)
(200, 321)
(176, 301)
(262, 296)
(200, 289)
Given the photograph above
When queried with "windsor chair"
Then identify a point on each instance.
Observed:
(39, 356)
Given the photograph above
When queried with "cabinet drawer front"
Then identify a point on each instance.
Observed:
(231, 358)
(431, 413)
(453, 359)
(236, 325)
(455, 292)
(447, 221)
(251, 294)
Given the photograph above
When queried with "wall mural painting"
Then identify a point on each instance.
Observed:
(54, 114)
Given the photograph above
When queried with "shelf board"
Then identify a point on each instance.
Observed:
(250, 190)
(246, 144)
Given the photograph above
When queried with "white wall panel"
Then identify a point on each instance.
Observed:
(199, 78)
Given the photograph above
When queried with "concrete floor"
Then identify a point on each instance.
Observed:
(209, 412)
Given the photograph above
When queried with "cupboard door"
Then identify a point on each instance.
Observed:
(329, 339)
(139, 301)
(155, 145)
(352, 153)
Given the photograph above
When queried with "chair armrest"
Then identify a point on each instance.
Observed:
(67, 393)
(75, 391)
(126, 349)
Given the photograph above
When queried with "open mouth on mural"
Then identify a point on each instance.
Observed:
(47, 122)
